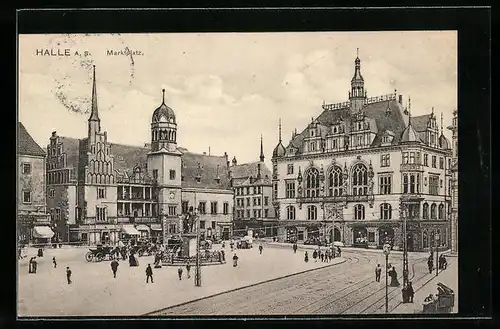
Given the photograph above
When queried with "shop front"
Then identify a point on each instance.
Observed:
(360, 237)
(156, 233)
(42, 234)
(144, 231)
(129, 234)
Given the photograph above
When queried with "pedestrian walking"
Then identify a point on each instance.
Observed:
(231, 244)
(410, 292)
(223, 244)
(339, 251)
(34, 265)
(149, 273)
(260, 249)
(378, 272)
(54, 262)
(68, 275)
(223, 254)
(315, 255)
(188, 269)
(114, 267)
(294, 248)
(30, 265)
(306, 257)
(40, 252)
(322, 256)
(235, 260)
(430, 264)
(179, 272)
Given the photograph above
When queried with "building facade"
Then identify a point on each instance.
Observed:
(362, 168)
(33, 223)
(454, 185)
(253, 207)
(102, 192)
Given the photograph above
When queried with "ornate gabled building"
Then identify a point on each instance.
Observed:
(252, 188)
(359, 169)
(454, 185)
(100, 191)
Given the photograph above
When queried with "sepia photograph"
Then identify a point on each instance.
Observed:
(237, 174)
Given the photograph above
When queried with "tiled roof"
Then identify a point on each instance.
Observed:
(204, 166)
(246, 170)
(387, 115)
(26, 143)
(420, 122)
(128, 156)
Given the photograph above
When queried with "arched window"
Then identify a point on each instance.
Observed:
(433, 211)
(360, 180)
(312, 183)
(441, 211)
(359, 211)
(312, 213)
(335, 181)
(290, 212)
(425, 239)
(385, 211)
(425, 212)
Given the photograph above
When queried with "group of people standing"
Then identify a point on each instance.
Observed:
(323, 256)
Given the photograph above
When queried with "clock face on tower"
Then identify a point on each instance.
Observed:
(172, 195)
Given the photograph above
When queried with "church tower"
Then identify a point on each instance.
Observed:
(357, 95)
(164, 166)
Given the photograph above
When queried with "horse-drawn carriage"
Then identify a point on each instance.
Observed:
(102, 253)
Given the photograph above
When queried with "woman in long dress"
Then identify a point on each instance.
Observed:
(394, 278)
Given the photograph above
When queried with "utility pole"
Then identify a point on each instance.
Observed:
(437, 252)
(197, 275)
(387, 250)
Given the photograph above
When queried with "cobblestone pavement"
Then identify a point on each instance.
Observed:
(94, 291)
(348, 288)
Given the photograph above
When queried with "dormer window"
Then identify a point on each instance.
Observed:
(385, 139)
(312, 146)
(312, 133)
(359, 126)
(334, 130)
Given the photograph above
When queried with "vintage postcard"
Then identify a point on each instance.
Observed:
(191, 174)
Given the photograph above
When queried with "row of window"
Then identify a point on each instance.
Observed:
(240, 202)
(335, 183)
(58, 177)
(202, 207)
(171, 174)
(242, 190)
(257, 213)
(385, 212)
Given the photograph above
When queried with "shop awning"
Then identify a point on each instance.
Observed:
(156, 227)
(130, 230)
(142, 228)
(43, 232)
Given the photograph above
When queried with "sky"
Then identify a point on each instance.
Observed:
(227, 89)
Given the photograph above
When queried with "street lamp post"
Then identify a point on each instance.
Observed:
(405, 247)
(437, 253)
(387, 250)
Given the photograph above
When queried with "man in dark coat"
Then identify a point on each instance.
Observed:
(149, 273)
(260, 249)
(54, 262)
(68, 275)
(188, 270)
(114, 267)
(294, 248)
(315, 255)
(235, 260)
(410, 292)
(34, 265)
(378, 272)
(322, 256)
(179, 272)
(430, 264)
(306, 257)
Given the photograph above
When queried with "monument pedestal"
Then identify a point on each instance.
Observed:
(188, 249)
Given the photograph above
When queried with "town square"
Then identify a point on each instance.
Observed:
(170, 175)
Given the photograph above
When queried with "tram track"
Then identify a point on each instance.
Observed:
(267, 293)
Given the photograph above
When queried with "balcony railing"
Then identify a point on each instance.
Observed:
(412, 167)
(343, 198)
(138, 220)
(136, 197)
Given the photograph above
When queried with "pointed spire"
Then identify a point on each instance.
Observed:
(94, 115)
(261, 149)
(163, 96)
(441, 123)
(280, 131)
(409, 111)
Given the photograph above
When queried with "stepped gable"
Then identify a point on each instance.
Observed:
(205, 167)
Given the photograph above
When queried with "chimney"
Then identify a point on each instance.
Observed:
(258, 170)
(401, 99)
